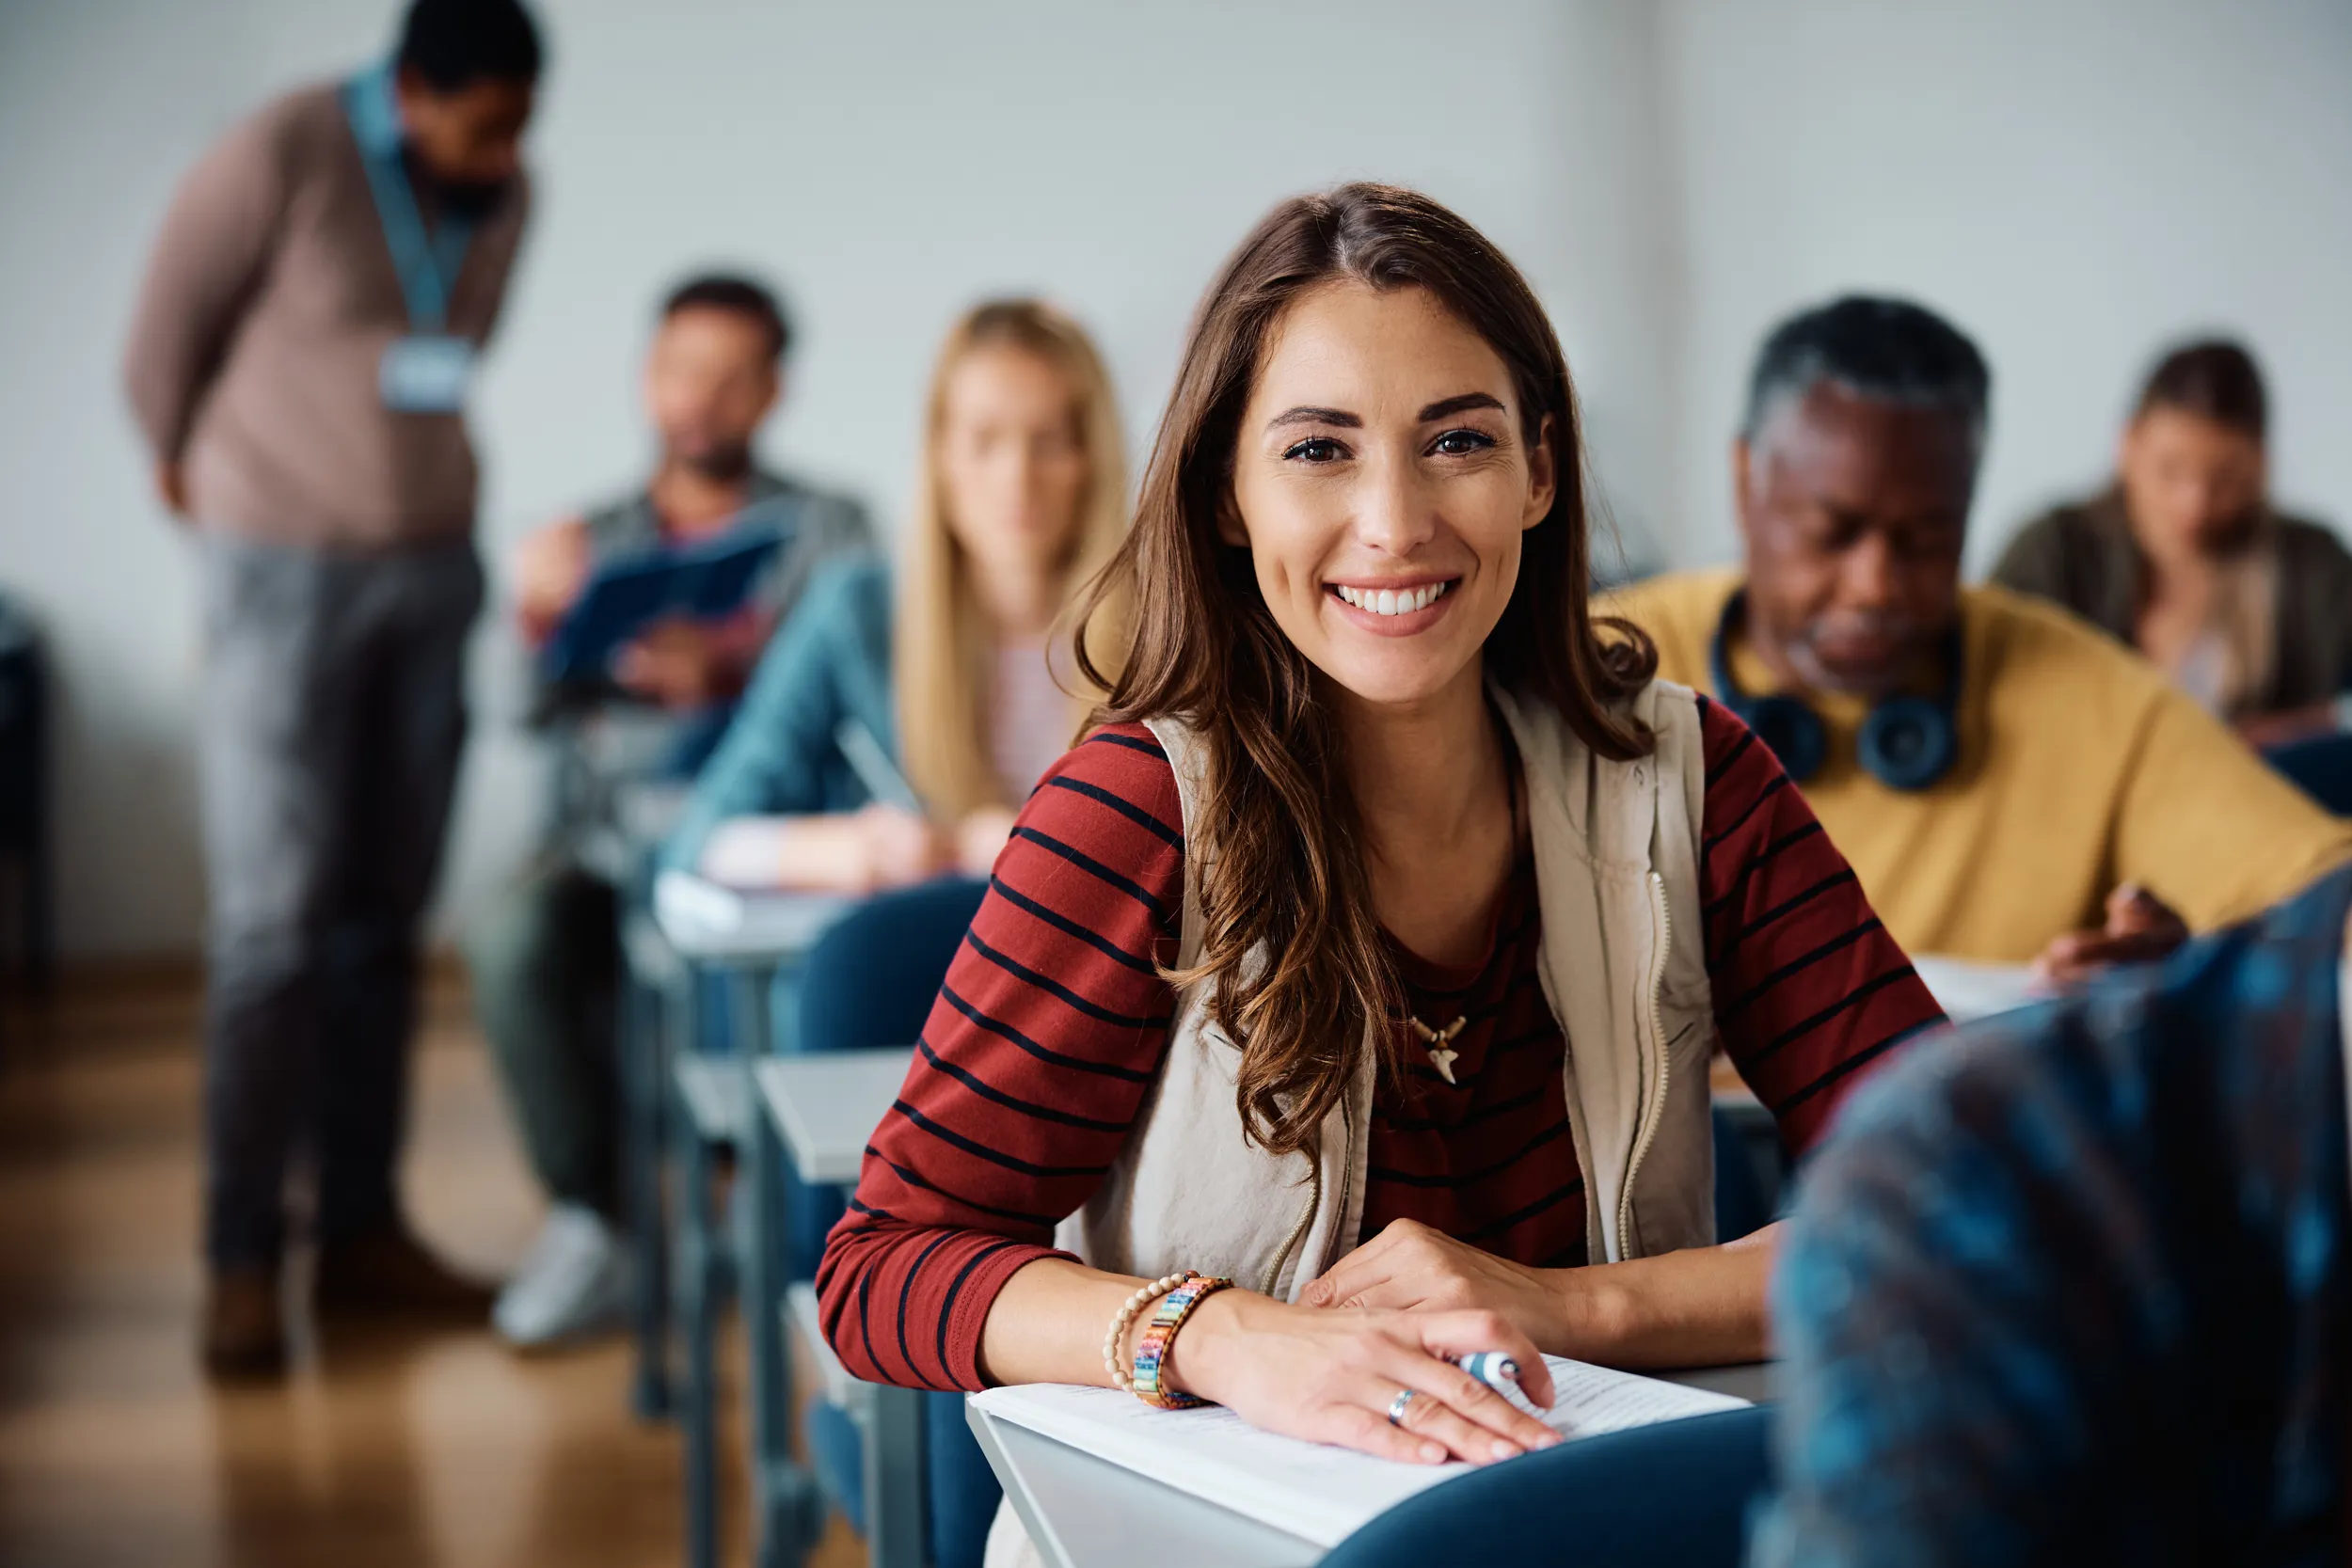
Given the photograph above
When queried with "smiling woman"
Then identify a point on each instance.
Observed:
(1288, 953)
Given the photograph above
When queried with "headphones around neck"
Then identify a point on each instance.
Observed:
(1907, 743)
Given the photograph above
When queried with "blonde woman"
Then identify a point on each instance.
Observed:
(875, 749)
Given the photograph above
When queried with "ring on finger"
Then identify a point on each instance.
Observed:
(1397, 1406)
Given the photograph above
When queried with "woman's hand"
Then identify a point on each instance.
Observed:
(980, 838)
(855, 852)
(899, 845)
(1410, 1267)
(1332, 1376)
(1701, 1307)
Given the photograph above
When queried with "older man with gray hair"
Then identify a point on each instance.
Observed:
(2008, 784)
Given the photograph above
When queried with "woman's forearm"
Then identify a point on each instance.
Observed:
(778, 851)
(853, 852)
(1046, 1325)
(1699, 1308)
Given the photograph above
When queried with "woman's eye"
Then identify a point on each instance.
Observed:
(1460, 443)
(1316, 448)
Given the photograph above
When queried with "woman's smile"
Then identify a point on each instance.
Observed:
(1396, 607)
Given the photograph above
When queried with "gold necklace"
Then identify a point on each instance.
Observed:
(1439, 1043)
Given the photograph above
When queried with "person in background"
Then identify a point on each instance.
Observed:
(877, 746)
(2010, 785)
(2182, 557)
(298, 365)
(2071, 1286)
(1274, 980)
(546, 959)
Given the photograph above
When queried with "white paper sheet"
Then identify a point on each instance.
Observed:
(698, 917)
(1968, 988)
(1320, 1494)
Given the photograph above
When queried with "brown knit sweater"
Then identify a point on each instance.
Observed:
(2083, 557)
(266, 309)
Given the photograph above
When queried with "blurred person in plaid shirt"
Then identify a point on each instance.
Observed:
(2074, 1285)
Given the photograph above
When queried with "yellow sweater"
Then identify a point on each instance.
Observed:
(2080, 768)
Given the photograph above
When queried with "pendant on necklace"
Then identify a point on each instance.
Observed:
(1440, 1044)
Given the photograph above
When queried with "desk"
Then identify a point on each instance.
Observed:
(749, 939)
(822, 1110)
(727, 928)
(1967, 990)
(1087, 1513)
(826, 1107)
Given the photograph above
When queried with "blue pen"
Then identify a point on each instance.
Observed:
(1493, 1368)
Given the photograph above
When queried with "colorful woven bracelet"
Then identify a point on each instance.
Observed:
(1158, 1335)
(1115, 1337)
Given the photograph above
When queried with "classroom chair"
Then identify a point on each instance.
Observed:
(2321, 767)
(729, 1238)
(869, 982)
(1676, 1495)
(1744, 1201)
(668, 1017)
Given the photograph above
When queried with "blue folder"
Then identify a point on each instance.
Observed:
(705, 581)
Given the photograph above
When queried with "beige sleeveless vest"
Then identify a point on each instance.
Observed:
(1616, 850)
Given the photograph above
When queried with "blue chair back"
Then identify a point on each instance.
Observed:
(1742, 1206)
(2321, 767)
(871, 979)
(1675, 1494)
(959, 1490)
(869, 982)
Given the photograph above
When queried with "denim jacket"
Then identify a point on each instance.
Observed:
(830, 664)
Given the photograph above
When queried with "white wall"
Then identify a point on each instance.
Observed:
(887, 162)
(2074, 182)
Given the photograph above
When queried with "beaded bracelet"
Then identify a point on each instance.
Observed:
(1151, 1350)
(1116, 1340)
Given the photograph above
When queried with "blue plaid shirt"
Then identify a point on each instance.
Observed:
(2074, 1285)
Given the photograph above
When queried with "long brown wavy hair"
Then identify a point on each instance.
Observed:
(1301, 978)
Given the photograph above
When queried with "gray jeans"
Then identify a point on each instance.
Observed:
(333, 719)
(546, 960)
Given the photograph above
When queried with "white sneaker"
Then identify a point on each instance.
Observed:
(573, 1283)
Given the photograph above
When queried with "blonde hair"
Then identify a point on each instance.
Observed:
(942, 646)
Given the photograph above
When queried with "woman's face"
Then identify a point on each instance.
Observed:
(2190, 483)
(1012, 459)
(1382, 487)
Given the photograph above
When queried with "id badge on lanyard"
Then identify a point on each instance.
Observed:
(428, 369)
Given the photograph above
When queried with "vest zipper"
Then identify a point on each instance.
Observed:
(1298, 1231)
(1663, 919)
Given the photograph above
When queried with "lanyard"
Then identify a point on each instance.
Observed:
(427, 262)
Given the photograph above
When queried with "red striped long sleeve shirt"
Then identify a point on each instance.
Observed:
(1052, 1020)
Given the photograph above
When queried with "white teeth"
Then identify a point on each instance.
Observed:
(1387, 601)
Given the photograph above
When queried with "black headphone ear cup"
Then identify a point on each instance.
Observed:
(1793, 731)
(1908, 743)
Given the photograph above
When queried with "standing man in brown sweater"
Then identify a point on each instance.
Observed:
(298, 365)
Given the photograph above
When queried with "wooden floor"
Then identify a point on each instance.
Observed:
(436, 1450)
